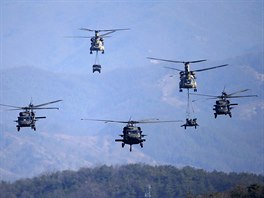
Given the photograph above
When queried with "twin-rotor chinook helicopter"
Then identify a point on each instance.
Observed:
(187, 77)
(132, 134)
(223, 106)
(97, 43)
(27, 118)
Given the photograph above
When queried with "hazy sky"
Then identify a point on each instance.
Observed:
(33, 32)
(33, 35)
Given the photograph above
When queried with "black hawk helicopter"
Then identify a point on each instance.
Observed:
(222, 105)
(27, 118)
(187, 77)
(132, 134)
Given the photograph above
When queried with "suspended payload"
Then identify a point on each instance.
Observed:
(97, 43)
(190, 122)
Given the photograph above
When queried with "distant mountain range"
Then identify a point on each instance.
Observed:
(63, 141)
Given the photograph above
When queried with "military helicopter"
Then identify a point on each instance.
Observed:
(97, 41)
(222, 105)
(27, 118)
(132, 134)
(187, 77)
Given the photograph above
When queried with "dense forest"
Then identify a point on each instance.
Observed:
(136, 180)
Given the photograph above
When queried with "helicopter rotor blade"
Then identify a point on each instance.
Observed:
(40, 105)
(86, 29)
(44, 108)
(13, 109)
(245, 96)
(197, 61)
(158, 121)
(114, 30)
(78, 36)
(173, 68)
(106, 121)
(11, 106)
(134, 122)
(199, 70)
(149, 119)
(110, 30)
(172, 61)
(237, 92)
(103, 35)
(203, 95)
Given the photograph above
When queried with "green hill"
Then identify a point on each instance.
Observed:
(131, 181)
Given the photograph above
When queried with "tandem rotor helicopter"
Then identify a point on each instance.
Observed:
(187, 77)
(97, 43)
(27, 118)
(132, 134)
(222, 105)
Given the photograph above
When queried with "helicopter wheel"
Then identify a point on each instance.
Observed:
(18, 128)
(141, 144)
(180, 90)
(130, 148)
(195, 90)
(123, 144)
(102, 52)
(230, 115)
(215, 115)
(91, 52)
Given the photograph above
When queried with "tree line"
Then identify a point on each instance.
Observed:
(136, 180)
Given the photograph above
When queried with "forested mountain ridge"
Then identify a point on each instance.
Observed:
(130, 181)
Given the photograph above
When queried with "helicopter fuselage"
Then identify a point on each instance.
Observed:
(223, 107)
(131, 135)
(97, 44)
(187, 81)
(26, 119)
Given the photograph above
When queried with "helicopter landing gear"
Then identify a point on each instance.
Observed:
(195, 90)
(230, 115)
(180, 90)
(18, 128)
(141, 144)
(130, 149)
(102, 52)
(215, 115)
(123, 144)
(91, 52)
(33, 127)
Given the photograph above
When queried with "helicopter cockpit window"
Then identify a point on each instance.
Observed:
(133, 132)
